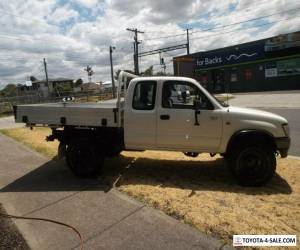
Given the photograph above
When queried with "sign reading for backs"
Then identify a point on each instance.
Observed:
(233, 55)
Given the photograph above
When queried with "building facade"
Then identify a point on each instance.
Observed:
(55, 86)
(263, 65)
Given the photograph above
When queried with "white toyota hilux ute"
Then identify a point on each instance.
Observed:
(163, 113)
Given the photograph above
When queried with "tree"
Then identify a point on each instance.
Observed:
(9, 90)
(148, 71)
(90, 72)
(78, 82)
(33, 78)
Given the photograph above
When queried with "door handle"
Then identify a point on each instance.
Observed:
(165, 117)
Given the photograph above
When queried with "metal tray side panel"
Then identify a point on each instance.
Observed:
(75, 116)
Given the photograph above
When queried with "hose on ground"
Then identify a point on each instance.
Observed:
(8, 216)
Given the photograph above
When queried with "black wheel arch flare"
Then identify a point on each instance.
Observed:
(251, 136)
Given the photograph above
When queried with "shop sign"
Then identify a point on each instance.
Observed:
(283, 68)
(281, 42)
(238, 54)
(271, 72)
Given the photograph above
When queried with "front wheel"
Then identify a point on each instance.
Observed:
(253, 166)
(84, 160)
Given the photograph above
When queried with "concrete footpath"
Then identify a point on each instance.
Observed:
(32, 185)
(9, 122)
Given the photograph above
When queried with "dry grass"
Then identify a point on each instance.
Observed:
(34, 139)
(199, 191)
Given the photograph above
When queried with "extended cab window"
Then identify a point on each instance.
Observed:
(144, 95)
(181, 95)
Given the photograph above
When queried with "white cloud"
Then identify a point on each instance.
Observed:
(32, 30)
(62, 14)
(87, 3)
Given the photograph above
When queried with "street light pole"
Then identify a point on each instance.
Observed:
(111, 48)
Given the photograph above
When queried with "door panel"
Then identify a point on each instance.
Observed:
(179, 131)
(140, 133)
(140, 116)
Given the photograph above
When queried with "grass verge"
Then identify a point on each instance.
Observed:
(198, 191)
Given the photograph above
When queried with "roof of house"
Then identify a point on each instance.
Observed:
(59, 79)
(90, 85)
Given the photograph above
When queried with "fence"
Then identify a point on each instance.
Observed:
(7, 103)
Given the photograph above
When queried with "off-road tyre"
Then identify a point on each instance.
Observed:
(84, 160)
(252, 165)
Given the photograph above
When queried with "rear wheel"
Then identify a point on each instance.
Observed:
(84, 160)
(253, 165)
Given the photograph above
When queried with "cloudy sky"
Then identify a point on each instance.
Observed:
(76, 33)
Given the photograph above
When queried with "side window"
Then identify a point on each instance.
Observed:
(181, 95)
(144, 95)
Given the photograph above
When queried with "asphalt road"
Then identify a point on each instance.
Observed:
(293, 117)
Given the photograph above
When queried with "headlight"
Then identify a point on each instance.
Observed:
(286, 129)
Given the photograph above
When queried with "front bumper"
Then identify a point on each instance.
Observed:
(283, 145)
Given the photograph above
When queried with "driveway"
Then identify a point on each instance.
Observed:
(32, 185)
(275, 99)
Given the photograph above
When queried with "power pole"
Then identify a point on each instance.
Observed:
(46, 73)
(134, 58)
(111, 48)
(136, 51)
(187, 41)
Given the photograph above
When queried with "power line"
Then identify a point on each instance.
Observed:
(252, 27)
(38, 21)
(231, 31)
(224, 26)
(156, 51)
(245, 21)
(256, 3)
(163, 37)
(194, 38)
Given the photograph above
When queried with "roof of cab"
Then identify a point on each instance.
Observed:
(168, 78)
